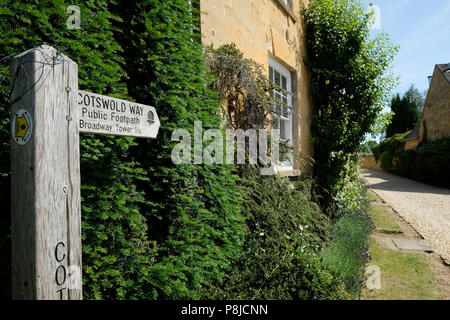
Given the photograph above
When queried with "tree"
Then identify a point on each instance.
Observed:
(116, 250)
(367, 147)
(351, 80)
(417, 97)
(150, 229)
(192, 210)
(406, 114)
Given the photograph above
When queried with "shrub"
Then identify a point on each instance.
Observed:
(286, 230)
(193, 211)
(407, 163)
(349, 191)
(386, 161)
(431, 163)
(346, 253)
(428, 163)
(287, 271)
(116, 250)
(350, 81)
(285, 227)
(348, 250)
(150, 229)
(387, 152)
(366, 149)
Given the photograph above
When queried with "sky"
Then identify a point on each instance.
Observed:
(422, 30)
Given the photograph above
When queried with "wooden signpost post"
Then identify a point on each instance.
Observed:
(47, 114)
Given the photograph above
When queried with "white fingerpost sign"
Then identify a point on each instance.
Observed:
(105, 115)
(47, 114)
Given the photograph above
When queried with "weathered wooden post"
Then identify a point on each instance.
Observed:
(45, 180)
(47, 114)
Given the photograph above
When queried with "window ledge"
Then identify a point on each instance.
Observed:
(289, 173)
(287, 10)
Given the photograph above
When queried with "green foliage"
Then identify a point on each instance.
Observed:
(432, 162)
(418, 98)
(150, 229)
(381, 123)
(350, 80)
(367, 148)
(285, 227)
(286, 230)
(116, 251)
(386, 151)
(348, 251)
(406, 115)
(406, 162)
(192, 210)
(349, 190)
(429, 163)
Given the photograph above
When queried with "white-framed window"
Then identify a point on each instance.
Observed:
(288, 3)
(281, 76)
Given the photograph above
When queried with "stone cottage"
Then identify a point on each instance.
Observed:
(435, 119)
(269, 32)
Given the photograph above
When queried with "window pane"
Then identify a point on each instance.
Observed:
(283, 128)
(278, 102)
(283, 83)
(271, 74)
(275, 123)
(285, 107)
(277, 78)
(272, 98)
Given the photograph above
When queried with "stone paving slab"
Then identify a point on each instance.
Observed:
(411, 245)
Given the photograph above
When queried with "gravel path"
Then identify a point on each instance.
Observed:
(424, 207)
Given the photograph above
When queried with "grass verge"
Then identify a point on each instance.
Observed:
(371, 196)
(404, 276)
(383, 220)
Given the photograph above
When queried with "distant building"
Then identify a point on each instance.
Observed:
(435, 119)
(269, 32)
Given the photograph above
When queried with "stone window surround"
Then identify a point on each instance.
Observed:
(287, 9)
(290, 170)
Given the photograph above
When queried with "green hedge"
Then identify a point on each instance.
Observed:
(386, 151)
(429, 163)
(347, 252)
(150, 229)
(286, 232)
